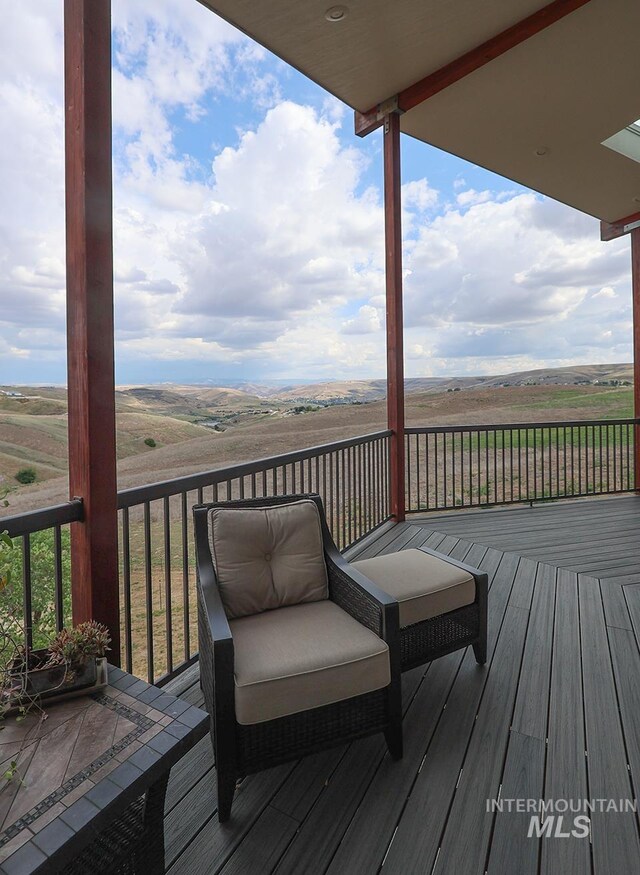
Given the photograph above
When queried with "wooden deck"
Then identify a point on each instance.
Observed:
(552, 715)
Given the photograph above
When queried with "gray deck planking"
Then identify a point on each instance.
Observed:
(561, 678)
(530, 713)
(616, 847)
(523, 778)
(566, 768)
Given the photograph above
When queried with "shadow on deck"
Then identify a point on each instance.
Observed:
(553, 715)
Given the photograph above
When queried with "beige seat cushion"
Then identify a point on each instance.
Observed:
(266, 558)
(301, 657)
(424, 585)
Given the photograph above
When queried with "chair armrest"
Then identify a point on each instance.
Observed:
(361, 598)
(481, 577)
(208, 590)
(216, 645)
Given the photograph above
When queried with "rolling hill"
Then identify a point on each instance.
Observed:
(249, 427)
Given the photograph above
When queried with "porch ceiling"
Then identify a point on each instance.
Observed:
(563, 90)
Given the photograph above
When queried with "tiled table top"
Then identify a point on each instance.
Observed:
(83, 764)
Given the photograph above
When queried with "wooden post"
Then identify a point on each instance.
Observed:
(635, 289)
(395, 353)
(90, 337)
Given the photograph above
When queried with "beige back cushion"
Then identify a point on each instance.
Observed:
(267, 558)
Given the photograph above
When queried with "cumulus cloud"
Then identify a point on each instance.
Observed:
(284, 228)
(367, 321)
(266, 251)
(517, 277)
(418, 194)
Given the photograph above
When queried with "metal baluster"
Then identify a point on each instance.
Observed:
(534, 473)
(59, 582)
(148, 591)
(407, 443)
(27, 607)
(185, 575)
(167, 584)
(331, 498)
(427, 468)
(520, 464)
(461, 468)
(126, 583)
(495, 467)
(614, 453)
(486, 462)
(511, 460)
(542, 459)
(437, 467)
(452, 468)
(361, 515)
(502, 459)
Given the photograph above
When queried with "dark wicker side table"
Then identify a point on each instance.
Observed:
(89, 792)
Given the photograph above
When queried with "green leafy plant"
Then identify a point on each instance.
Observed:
(6, 548)
(6, 560)
(150, 442)
(43, 576)
(12, 636)
(26, 475)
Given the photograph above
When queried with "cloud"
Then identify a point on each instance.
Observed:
(366, 322)
(283, 228)
(266, 251)
(470, 197)
(511, 280)
(418, 195)
(605, 292)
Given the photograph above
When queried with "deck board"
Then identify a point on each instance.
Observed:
(523, 778)
(566, 768)
(553, 714)
(615, 835)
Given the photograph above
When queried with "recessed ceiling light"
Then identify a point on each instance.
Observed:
(336, 13)
(637, 200)
(542, 150)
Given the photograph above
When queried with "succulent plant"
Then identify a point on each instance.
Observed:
(75, 647)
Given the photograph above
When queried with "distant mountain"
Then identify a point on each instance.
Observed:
(198, 399)
(348, 391)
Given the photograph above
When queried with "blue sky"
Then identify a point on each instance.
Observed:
(248, 225)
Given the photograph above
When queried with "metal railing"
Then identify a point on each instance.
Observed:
(449, 467)
(39, 600)
(156, 551)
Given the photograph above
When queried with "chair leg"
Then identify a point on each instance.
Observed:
(226, 790)
(393, 732)
(393, 736)
(480, 651)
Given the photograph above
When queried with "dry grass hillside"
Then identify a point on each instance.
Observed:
(254, 428)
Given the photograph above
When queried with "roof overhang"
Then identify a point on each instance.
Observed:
(536, 112)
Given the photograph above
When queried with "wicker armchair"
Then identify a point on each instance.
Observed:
(257, 721)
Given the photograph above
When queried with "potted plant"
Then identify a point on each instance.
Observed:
(72, 661)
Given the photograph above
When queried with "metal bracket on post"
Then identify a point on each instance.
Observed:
(385, 109)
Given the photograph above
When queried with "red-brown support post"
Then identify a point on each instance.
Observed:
(635, 288)
(395, 329)
(90, 336)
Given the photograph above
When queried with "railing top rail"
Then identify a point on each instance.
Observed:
(153, 491)
(513, 426)
(43, 518)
